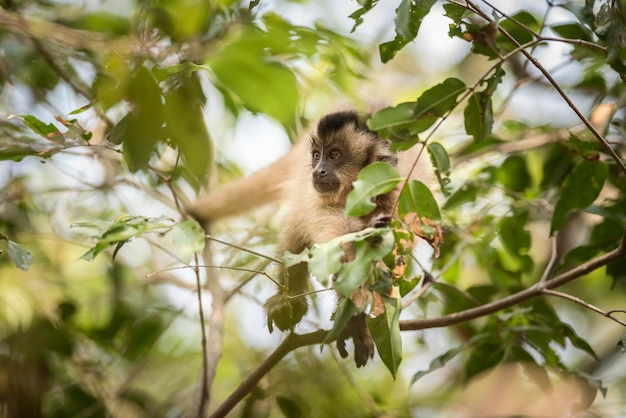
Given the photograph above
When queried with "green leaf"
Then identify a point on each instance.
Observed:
(123, 229)
(20, 257)
(46, 130)
(391, 117)
(580, 188)
(184, 68)
(583, 148)
(440, 99)
(443, 359)
(101, 22)
(516, 239)
(374, 244)
(517, 31)
(326, 260)
(441, 161)
(375, 179)
(409, 16)
(385, 330)
(479, 112)
(292, 407)
(187, 129)
(617, 270)
(513, 174)
(403, 122)
(466, 193)
(262, 85)
(142, 335)
(573, 31)
(488, 353)
(345, 311)
(188, 238)
(142, 128)
(417, 198)
(576, 340)
(621, 344)
(456, 12)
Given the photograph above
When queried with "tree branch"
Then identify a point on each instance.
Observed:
(618, 160)
(292, 342)
(587, 305)
(42, 30)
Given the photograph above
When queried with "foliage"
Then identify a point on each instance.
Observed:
(106, 135)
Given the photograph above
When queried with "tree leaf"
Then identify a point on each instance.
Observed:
(187, 129)
(478, 116)
(441, 161)
(391, 117)
(123, 229)
(479, 112)
(385, 330)
(417, 198)
(373, 245)
(142, 335)
(344, 312)
(440, 99)
(572, 31)
(513, 174)
(189, 239)
(261, 84)
(325, 260)
(621, 344)
(576, 340)
(579, 189)
(409, 16)
(443, 359)
(47, 131)
(20, 257)
(375, 179)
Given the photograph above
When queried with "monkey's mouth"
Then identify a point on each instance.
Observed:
(325, 186)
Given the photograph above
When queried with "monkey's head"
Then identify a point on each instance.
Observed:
(340, 148)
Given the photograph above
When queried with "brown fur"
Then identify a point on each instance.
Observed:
(316, 204)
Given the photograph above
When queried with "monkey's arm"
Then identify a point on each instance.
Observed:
(240, 196)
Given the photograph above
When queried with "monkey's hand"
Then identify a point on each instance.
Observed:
(357, 329)
(284, 312)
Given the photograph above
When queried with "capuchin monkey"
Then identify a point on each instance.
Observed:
(314, 178)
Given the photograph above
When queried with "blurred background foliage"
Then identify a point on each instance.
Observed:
(115, 114)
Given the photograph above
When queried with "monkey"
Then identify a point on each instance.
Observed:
(315, 178)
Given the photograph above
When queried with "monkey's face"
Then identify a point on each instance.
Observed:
(340, 148)
(336, 159)
(326, 164)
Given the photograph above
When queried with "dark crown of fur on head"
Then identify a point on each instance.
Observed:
(334, 122)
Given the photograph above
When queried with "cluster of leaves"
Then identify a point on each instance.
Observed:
(366, 284)
(573, 174)
(144, 77)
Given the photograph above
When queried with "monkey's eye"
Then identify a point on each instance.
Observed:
(334, 155)
(315, 155)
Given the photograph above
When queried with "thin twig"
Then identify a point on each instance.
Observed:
(238, 247)
(260, 269)
(415, 296)
(586, 305)
(521, 296)
(215, 266)
(202, 401)
(554, 84)
(553, 259)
